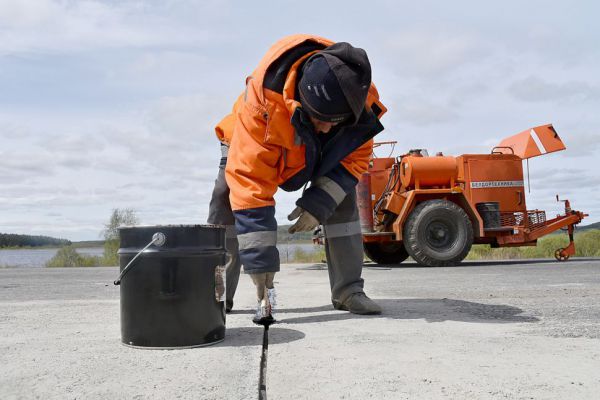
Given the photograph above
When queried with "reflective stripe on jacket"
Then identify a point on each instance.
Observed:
(271, 146)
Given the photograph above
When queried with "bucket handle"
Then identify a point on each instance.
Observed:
(158, 239)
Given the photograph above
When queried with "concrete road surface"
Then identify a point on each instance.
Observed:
(484, 330)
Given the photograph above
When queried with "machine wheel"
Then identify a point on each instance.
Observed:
(558, 254)
(438, 233)
(386, 253)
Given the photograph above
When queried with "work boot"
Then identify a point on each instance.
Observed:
(265, 293)
(263, 315)
(265, 310)
(272, 298)
(358, 303)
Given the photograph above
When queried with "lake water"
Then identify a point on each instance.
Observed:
(39, 257)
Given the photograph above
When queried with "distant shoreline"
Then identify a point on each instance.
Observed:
(76, 245)
(100, 243)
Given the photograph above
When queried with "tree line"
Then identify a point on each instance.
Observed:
(68, 256)
(15, 240)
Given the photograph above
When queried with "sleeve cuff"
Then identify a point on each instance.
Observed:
(317, 202)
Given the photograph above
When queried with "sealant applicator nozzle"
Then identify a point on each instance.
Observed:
(265, 321)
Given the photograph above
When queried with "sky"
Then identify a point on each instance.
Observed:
(112, 104)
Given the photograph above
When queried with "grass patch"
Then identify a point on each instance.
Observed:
(111, 257)
(587, 244)
(300, 255)
(67, 256)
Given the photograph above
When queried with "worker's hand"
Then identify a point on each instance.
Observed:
(306, 221)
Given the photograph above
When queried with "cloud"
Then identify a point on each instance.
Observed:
(432, 53)
(161, 160)
(535, 89)
(71, 142)
(579, 185)
(187, 117)
(10, 130)
(582, 145)
(112, 103)
(32, 155)
(557, 180)
(27, 13)
(67, 195)
(64, 26)
(18, 166)
(424, 112)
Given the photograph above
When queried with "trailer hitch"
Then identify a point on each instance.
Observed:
(563, 253)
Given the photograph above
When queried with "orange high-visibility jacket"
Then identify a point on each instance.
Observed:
(270, 148)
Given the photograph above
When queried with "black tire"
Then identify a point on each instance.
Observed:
(386, 253)
(438, 233)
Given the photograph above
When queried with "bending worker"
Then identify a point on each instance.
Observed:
(308, 115)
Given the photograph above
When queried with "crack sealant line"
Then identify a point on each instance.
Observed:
(262, 380)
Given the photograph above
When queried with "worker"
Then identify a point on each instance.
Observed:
(307, 116)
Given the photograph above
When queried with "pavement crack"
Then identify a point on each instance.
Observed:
(262, 380)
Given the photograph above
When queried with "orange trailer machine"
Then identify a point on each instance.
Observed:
(435, 208)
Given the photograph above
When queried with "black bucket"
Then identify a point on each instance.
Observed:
(173, 294)
(490, 213)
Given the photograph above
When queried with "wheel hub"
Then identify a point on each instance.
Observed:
(439, 234)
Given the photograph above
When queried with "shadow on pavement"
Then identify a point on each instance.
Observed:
(476, 263)
(313, 267)
(465, 264)
(532, 261)
(290, 310)
(234, 311)
(252, 336)
(431, 310)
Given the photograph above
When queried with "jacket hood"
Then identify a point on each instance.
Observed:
(352, 69)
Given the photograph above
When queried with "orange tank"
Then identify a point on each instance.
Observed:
(440, 171)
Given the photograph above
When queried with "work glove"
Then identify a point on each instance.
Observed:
(306, 221)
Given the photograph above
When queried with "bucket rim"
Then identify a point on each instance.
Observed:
(170, 226)
(194, 346)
